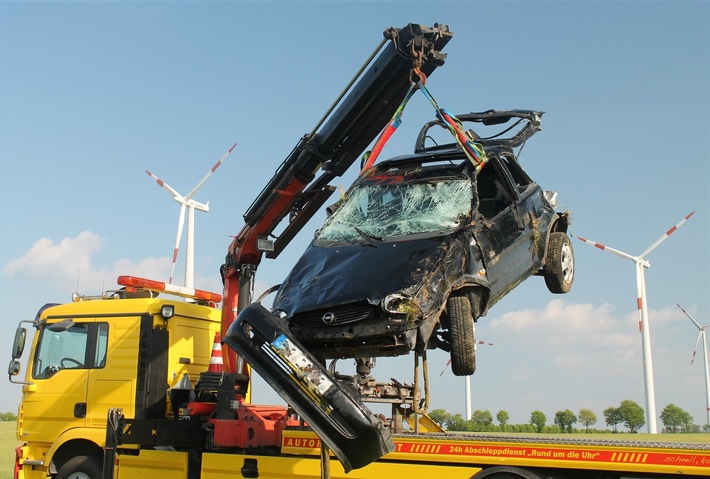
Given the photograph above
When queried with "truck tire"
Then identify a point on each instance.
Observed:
(81, 467)
(463, 335)
(559, 263)
(507, 472)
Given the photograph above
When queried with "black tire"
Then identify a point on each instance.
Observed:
(82, 467)
(559, 264)
(462, 330)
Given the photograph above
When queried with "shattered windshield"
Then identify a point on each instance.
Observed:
(375, 211)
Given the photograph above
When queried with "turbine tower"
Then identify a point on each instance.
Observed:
(467, 392)
(640, 263)
(188, 204)
(701, 337)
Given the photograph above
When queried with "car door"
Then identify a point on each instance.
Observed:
(505, 233)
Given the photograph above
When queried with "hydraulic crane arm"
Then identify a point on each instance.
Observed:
(342, 138)
(349, 127)
(406, 56)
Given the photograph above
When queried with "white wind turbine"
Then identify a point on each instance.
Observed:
(187, 203)
(469, 412)
(640, 263)
(701, 337)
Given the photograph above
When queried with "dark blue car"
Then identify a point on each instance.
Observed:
(421, 246)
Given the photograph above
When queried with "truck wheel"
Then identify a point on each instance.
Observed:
(559, 264)
(507, 472)
(463, 335)
(81, 467)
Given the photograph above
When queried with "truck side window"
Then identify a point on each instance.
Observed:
(82, 346)
(101, 342)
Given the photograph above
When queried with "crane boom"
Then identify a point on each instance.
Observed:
(407, 55)
(334, 146)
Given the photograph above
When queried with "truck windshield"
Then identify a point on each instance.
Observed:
(377, 211)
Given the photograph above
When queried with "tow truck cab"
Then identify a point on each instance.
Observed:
(104, 352)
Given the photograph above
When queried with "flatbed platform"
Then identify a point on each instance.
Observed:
(534, 451)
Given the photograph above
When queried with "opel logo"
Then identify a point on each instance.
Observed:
(328, 318)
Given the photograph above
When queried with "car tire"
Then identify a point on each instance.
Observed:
(559, 263)
(462, 329)
(81, 467)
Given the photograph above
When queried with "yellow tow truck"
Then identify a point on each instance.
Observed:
(152, 360)
(152, 379)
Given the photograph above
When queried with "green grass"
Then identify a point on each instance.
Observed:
(8, 443)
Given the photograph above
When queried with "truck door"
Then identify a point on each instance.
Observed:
(112, 377)
(57, 398)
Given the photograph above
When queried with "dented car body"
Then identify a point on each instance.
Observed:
(421, 246)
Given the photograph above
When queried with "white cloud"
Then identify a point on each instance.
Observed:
(70, 260)
(574, 335)
(49, 259)
(560, 323)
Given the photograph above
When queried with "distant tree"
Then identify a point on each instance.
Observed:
(481, 420)
(7, 416)
(632, 414)
(440, 416)
(676, 419)
(503, 418)
(538, 420)
(565, 419)
(587, 418)
(612, 416)
(456, 423)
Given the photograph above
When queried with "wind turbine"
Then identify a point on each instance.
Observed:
(187, 203)
(469, 413)
(640, 263)
(701, 336)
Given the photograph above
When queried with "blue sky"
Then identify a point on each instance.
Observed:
(94, 93)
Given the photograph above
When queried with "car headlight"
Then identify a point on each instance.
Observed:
(551, 197)
(398, 304)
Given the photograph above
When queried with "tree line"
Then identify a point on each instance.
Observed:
(8, 416)
(628, 413)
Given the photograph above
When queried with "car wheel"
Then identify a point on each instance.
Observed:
(463, 335)
(559, 263)
(81, 467)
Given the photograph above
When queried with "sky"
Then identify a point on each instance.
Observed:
(95, 93)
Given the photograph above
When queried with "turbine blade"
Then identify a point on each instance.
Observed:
(214, 168)
(166, 187)
(607, 248)
(666, 235)
(178, 238)
(700, 334)
(448, 363)
(690, 317)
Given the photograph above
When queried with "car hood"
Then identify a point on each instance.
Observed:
(327, 276)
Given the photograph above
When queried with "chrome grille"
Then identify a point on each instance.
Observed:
(350, 313)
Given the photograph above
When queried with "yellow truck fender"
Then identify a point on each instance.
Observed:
(77, 441)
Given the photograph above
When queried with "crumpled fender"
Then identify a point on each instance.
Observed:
(334, 412)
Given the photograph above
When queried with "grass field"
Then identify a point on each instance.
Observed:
(8, 443)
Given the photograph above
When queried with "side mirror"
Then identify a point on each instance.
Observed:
(61, 326)
(18, 345)
(14, 368)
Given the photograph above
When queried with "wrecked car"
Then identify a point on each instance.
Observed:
(420, 247)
